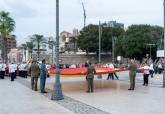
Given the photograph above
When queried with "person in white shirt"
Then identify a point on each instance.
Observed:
(2, 70)
(160, 68)
(23, 70)
(151, 70)
(20, 70)
(146, 74)
(73, 66)
(111, 75)
(12, 71)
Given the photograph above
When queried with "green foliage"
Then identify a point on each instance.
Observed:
(134, 43)
(88, 39)
(30, 47)
(38, 39)
(7, 25)
(107, 35)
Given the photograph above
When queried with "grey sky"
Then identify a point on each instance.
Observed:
(38, 16)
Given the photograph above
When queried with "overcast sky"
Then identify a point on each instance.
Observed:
(38, 16)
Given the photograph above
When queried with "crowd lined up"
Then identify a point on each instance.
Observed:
(40, 70)
(33, 68)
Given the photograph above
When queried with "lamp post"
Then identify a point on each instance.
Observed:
(113, 48)
(164, 49)
(100, 34)
(57, 92)
(113, 55)
(100, 43)
(150, 50)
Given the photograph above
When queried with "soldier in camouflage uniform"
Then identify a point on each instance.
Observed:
(90, 76)
(132, 74)
(34, 71)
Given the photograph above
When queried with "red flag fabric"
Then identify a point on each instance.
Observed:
(81, 71)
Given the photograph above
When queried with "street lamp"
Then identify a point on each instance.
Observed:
(150, 49)
(100, 35)
(164, 49)
(57, 92)
(114, 38)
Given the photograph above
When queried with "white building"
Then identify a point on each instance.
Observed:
(67, 41)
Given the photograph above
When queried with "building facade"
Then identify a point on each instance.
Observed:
(114, 24)
(15, 56)
(68, 41)
(11, 42)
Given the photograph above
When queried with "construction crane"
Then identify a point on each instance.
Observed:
(84, 14)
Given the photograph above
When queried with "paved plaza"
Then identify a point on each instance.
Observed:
(109, 97)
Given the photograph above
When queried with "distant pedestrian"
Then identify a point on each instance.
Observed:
(132, 74)
(12, 71)
(111, 75)
(160, 68)
(34, 72)
(90, 76)
(151, 70)
(87, 63)
(146, 74)
(43, 74)
(2, 70)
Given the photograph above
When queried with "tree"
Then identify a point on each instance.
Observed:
(24, 46)
(30, 47)
(134, 42)
(38, 39)
(7, 25)
(108, 33)
(88, 39)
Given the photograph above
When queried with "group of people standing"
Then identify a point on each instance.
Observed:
(34, 69)
(12, 70)
(37, 71)
(148, 70)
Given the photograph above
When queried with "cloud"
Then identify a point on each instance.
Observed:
(38, 16)
(18, 9)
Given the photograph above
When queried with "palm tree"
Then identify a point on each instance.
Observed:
(7, 25)
(30, 47)
(24, 46)
(38, 39)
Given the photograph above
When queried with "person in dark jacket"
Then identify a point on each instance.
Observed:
(43, 74)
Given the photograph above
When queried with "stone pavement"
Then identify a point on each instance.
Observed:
(113, 96)
(109, 97)
(18, 99)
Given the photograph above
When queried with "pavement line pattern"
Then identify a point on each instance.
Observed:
(69, 103)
